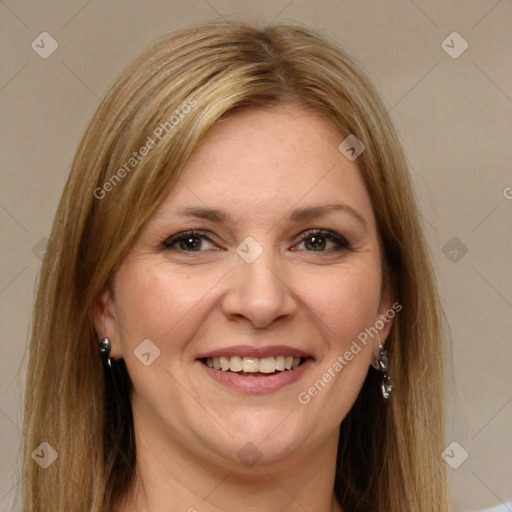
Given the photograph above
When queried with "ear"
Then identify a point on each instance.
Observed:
(105, 321)
(388, 309)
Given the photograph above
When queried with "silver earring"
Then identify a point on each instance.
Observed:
(382, 365)
(105, 348)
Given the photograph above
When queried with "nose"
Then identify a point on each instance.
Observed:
(258, 292)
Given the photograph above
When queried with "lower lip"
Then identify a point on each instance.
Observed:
(257, 385)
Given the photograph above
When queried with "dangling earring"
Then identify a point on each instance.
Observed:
(381, 364)
(105, 348)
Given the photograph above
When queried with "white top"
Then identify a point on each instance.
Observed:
(504, 507)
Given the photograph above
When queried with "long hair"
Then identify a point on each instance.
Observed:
(167, 100)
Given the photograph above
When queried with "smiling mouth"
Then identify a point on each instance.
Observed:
(254, 366)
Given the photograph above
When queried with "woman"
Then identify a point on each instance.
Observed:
(236, 245)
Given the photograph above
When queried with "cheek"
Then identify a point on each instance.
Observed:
(164, 306)
(344, 300)
(345, 303)
(153, 302)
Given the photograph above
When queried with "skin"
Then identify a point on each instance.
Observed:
(258, 166)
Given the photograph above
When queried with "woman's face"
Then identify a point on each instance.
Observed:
(265, 252)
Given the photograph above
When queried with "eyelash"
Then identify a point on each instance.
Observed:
(340, 241)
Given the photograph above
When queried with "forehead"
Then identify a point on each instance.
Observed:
(262, 160)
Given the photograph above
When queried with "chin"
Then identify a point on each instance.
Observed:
(260, 442)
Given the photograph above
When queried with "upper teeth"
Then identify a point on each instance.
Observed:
(253, 364)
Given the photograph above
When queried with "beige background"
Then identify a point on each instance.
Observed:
(455, 118)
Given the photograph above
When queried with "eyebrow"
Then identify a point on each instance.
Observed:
(296, 216)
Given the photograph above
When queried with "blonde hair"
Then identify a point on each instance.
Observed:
(389, 454)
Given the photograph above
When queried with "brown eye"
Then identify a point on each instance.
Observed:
(190, 243)
(187, 242)
(317, 243)
(323, 241)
